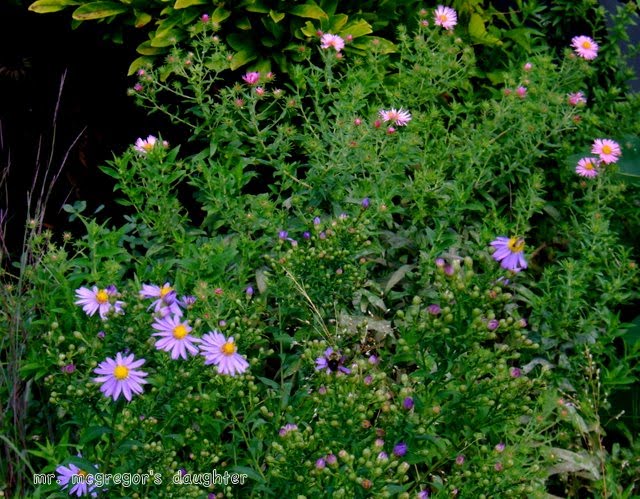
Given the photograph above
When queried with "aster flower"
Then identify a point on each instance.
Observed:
(222, 352)
(608, 150)
(521, 92)
(288, 428)
(120, 376)
(78, 478)
(96, 300)
(400, 449)
(175, 337)
(509, 252)
(166, 301)
(576, 99)
(588, 167)
(251, 78)
(445, 17)
(398, 117)
(143, 146)
(585, 47)
(331, 41)
(331, 362)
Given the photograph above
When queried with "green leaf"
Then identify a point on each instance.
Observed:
(308, 29)
(183, 4)
(309, 10)
(629, 162)
(142, 19)
(47, 6)
(255, 6)
(397, 276)
(276, 16)
(146, 48)
(251, 474)
(241, 58)
(167, 38)
(138, 63)
(337, 23)
(356, 29)
(93, 433)
(98, 10)
(476, 27)
(243, 23)
(220, 15)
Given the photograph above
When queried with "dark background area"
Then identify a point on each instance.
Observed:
(35, 52)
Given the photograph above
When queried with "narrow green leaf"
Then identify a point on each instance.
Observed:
(98, 10)
(183, 4)
(146, 48)
(276, 16)
(48, 6)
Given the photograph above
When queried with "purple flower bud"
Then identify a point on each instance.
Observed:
(68, 369)
(373, 360)
(204, 18)
(460, 460)
(322, 235)
(423, 494)
(320, 464)
(448, 269)
(222, 323)
(306, 235)
(249, 291)
(515, 372)
(368, 380)
(365, 203)
(500, 447)
(111, 290)
(316, 221)
(182, 471)
(400, 449)
(101, 335)
(407, 403)
(383, 456)
(322, 390)
(332, 459)
(343, 216)
(498, 466)
(379, 442)
(434, 309)
(493, 324)
(283, 234)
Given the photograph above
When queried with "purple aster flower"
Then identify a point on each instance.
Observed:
(368, 380)
(78, 478)
(423, 494)
(249, 291)
(222, 352)
(306, 235)
(509, 252)
(331, 459)
(400, 449)
(493, 324)
(165, 301)
(94, 300)
(187, 301)
(283, 234)
(316, 221)
(174, 336)
(101, 335)
(383, 456)
(120, 376)
(321, 464)
(500, 447)
(251, 78)
(365, 203)
(374, 360)
(332, 362)
(408, 403)
(289, 427)
(68, 368)
(515, 372)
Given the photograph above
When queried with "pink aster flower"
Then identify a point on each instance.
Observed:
(588, 167)
(398, 117)
(251, 78)
(97, 300)
(222, 353)
(576, 99)
(120, 376)
(331, 41)
(521, 92)
(509, 252)
(78, 478)
(144, 146)
(166, 301)
(608, 150)
(445, 17)
(585, 47)
(174, 336)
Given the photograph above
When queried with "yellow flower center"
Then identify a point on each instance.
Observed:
(606, 149)
(515, 244)
(589, 165)
(165, 290)
(179, 332)
(229, 348)
(147, 146)
(443, 18)
(121, 372)
(586, 44)
(102, 296)
(82, 473)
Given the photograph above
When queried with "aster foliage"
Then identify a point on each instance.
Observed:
(380, 276)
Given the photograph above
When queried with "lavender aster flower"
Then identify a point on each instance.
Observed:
(166, 302)
(72, 475)
(331, 362)
(408, 403)
(94, 300)
(222, 352)
(120, 376)
(174, 336)
(400, 449)
(509, 252)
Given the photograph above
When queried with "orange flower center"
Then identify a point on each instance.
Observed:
(179, 332)
(515, 244)
(606, 149)
(586, 44)
(443, 18)
(102, 297)
(229, 348)
(121, 372)
(589, 166)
